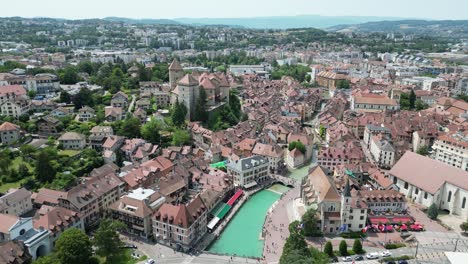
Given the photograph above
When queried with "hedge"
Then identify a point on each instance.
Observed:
(394, 246)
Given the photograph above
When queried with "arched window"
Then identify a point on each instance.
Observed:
(464, 203)
(449, 196)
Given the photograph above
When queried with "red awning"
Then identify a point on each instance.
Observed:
(377, 220)
(235, 197)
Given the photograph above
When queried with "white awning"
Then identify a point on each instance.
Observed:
(213, 223)
(250, 184)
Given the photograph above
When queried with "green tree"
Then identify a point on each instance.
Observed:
(328, 249)
(178, 113)
(73, 247)
(318, 257)
(200, 113)
(412, 99)
(64, 97)
(357, 246)
(343, 84)
(310, 221)
(294, 257)
(343, 248)
(69, 75)
(82, 98)
(295, 242)
(130, 128)
(464, 227)
(150, 131)
(322, 131)
(180, 137)
(86, 66)
(106, 238)
(44, 170)
(423, 150)
(50, 259)
(297, 144)
(32, 94)
(420, 105)
(432, 211)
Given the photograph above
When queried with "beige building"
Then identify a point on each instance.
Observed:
(73, 140)
(187, 88)
(15, 107)
(120, 99)
(56, 220)
(180, 226)
(9, 133)
(16, 202)
(136, 209)
(373, 103)
(273, 153)
(85, 114)
(90, 199)
(452, 149)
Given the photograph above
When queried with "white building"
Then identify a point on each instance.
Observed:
(461, 87)
(248, 171)
(73, 140)
(15, 107)
(16, 202)
(16, 228)
(426, 181)
(382, 151)
(452, 149)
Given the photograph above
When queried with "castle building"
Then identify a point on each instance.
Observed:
(185, 88)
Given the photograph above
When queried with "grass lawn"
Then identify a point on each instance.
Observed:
(18, 160)
(124, 257)
(6, 186)
(69, 152)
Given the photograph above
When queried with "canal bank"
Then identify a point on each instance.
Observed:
(242, 236)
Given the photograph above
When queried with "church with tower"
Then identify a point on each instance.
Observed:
(185, 88)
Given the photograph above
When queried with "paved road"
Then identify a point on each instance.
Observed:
(130, 106)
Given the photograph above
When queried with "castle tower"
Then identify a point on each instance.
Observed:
(175, 73)
(187, 90)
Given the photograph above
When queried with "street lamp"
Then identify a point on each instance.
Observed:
(456, 244)
(416, 253)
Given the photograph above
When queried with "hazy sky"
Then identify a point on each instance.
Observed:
(433, 9)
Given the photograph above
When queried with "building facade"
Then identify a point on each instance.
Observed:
(248, 171)
(452, 149)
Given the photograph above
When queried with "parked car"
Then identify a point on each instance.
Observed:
(333, 259)
(150, 261)
(403, 262)
(358, 258)
(385, 253)
(347, 259)
(128, 245)
(374, 255)
(391, 262)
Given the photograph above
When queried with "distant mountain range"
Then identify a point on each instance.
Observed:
(427, 27)
(147, 21)
(275, 22)
(457, 28)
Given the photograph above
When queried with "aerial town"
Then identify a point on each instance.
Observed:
(126, 142)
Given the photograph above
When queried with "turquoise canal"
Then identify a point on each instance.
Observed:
(242, 235)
